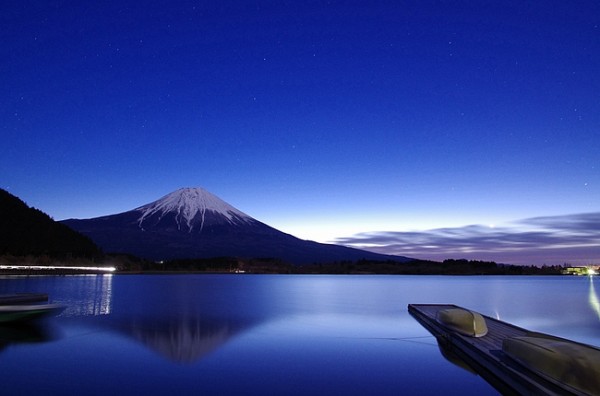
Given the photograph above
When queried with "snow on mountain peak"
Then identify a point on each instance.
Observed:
(187, 204)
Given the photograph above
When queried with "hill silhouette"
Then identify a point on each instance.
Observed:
(26, 231)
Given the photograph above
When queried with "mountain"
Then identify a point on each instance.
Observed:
(26, 231)
(193, 223)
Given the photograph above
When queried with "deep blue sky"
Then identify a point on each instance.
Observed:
(322, 119)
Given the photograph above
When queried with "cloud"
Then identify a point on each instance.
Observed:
(573, 239)
(584, 222)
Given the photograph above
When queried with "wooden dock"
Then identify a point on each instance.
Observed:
(486, 357)
(22, 298)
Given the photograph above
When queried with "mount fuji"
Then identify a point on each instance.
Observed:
(193, 223)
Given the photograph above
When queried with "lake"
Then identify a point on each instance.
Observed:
(269, 334)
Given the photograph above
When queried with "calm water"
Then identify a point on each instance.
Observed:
(260, 335)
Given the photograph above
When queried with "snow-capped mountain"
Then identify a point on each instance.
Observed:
(190, 208)
(193, 223)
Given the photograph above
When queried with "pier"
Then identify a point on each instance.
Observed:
(489, 356)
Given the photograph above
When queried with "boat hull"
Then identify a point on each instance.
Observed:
(24, 313)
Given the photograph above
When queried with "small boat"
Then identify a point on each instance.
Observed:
(27, 312)
(512, 359)
(463, 321)
(22, 298)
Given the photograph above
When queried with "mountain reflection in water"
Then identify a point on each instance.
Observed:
(182, 340)
(169, 321)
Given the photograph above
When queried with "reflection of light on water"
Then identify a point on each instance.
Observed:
(593, 298)
(94, 296)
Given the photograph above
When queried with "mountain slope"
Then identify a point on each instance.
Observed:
(193, 223)
(27, 231)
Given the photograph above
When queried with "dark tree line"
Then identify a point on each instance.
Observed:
(427, 267)
(277, 266)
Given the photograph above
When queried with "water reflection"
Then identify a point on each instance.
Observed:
(183, 340)
(219, 334)
(593, 297)
(93, 296)
(182, 319)
(24, 333)
(175, 317)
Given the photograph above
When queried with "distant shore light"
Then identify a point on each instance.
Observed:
(591, 271)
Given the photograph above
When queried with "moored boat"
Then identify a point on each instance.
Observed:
(27, 312)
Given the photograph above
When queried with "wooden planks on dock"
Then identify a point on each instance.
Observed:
(485, 356)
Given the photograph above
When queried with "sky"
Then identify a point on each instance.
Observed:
(439, 129)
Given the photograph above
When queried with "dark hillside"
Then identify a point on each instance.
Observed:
(28, 231)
